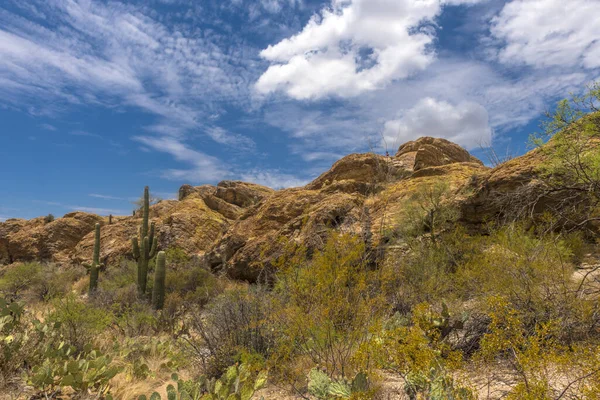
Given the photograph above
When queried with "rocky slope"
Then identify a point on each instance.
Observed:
(234, 226)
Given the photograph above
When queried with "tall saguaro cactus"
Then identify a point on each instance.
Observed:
(160, 273)
(144, 249)
(95, 267)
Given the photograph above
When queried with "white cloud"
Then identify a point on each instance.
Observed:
(48, 127)
(204, 166)
(273, 178)
(120, 55)
(545, 33)
(352, 47)
(222, 136)
(106, 197)
(466, 124)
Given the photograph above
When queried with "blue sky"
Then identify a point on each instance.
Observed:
(99, 98)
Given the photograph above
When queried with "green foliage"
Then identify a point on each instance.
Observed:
(13, 337)
(323, 387)
(428, 210)
(78, 322)
(158, 291)
(18, 278)
(34, 281)
(49, 218)
(238, 321)
(95, 266)
(63, 366)
(323, 308)
(144, 248)
(237, 383)
(571, 167)
(137, 355)
(544, 367)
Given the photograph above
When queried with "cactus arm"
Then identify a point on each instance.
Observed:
(153, 250)
(151, 235)
(146, 212)
(96, 259)
(158, 292)
(136, 248)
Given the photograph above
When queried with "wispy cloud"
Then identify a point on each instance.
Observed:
(85, 134)
(106, 197)
(205, 167)
(273, 178)
(117, 54)
(48, 127)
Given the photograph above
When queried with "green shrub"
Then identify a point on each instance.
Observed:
(19, 278)
(233, 322)
(78, 322)
(237, 383)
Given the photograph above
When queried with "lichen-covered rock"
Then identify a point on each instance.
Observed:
(242, 194)
(52, 241)
(189, 225)
(432, 152)
(7, 228)
(361, 173)
(305, 216)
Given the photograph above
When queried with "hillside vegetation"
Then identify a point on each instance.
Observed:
(423, 275)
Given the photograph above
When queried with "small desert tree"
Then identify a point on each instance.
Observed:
(570, 145)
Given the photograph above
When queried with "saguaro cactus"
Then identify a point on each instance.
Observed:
(110, 219)
(143, 252)
(95, 267)
(160, 273)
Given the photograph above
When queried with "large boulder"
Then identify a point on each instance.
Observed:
(433, 152)
(361, 173)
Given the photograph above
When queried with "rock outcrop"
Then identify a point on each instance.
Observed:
(40, 240)
(236, 227)
(361, 193)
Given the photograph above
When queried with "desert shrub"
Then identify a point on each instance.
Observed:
(38, 282)
(194, 284)
(541, 366)
(78, 322)
(49, 218)
(17, 279)
(428, 210)
(533, 273)
(137, 319)
(117, 289)
(234, 322)
(419, 352)
(424, 273)
(324, 308)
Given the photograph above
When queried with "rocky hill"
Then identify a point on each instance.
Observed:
(229, 225)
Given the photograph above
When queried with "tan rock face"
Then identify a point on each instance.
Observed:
(242, 194)
(236, 226)
(53, 241)
(7, 228)
(432, 152)
(361, 172)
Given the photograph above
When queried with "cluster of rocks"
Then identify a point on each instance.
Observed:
(233, 226)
